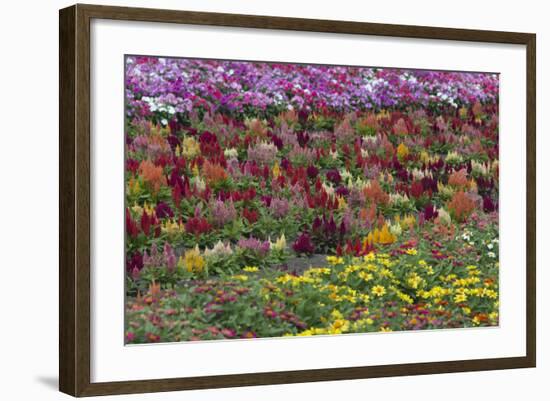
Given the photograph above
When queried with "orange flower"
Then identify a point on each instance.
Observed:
(256, 128)
(154, 289)
(369, 121)
(400, 127)
(477, 109)
(159, 141)
(153, 175)
(375, 193)
(461, 206)
(213, 173)
(368, 214)
(290, 116)
(459, 179)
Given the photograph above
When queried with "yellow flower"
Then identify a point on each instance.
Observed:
(365, 298)
(339, 326)
(386, 273)
(276, 170)
(334, 260)
(172, 228)
(312, 331)
(406, 298)
(316, 271)
(424, 157)
(411, 251)
(284, 279)
(192, 261)
(365, 276)
(402, 296)
(414, 281)
(402, 151)
(190, 147)
(460, 298)
(195, 170)
(240, 277)
(408, 221)
(294, 280)
(148, 208)
(378, 290)
(250, 269)
(435, 292)
(429, 269)
(133, 187)
(383, 236)
(370, 257)
(372, 267)
(463, 282)
(336, 314)
(489, 293)
(383, 114)
(342, 203)
(386, 237)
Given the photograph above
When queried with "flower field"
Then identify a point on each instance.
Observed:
(267, 200)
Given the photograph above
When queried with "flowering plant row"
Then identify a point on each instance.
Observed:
(269, 199)
(166, 87)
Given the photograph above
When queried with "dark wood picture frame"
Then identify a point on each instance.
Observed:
(74, 199)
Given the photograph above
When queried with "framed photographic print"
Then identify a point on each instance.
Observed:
(250, 200)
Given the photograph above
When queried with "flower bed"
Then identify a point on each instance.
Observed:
(241, 177)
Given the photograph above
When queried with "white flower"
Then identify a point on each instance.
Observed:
(396, 229)
(200, 185)
(399, 199)
(219, 249)
(369, 139)
(453, 157)
(490, 246)
(444, 217)
(345, 174)
(491, 255)
(280, 244)
(329, 189)
(230, 153)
